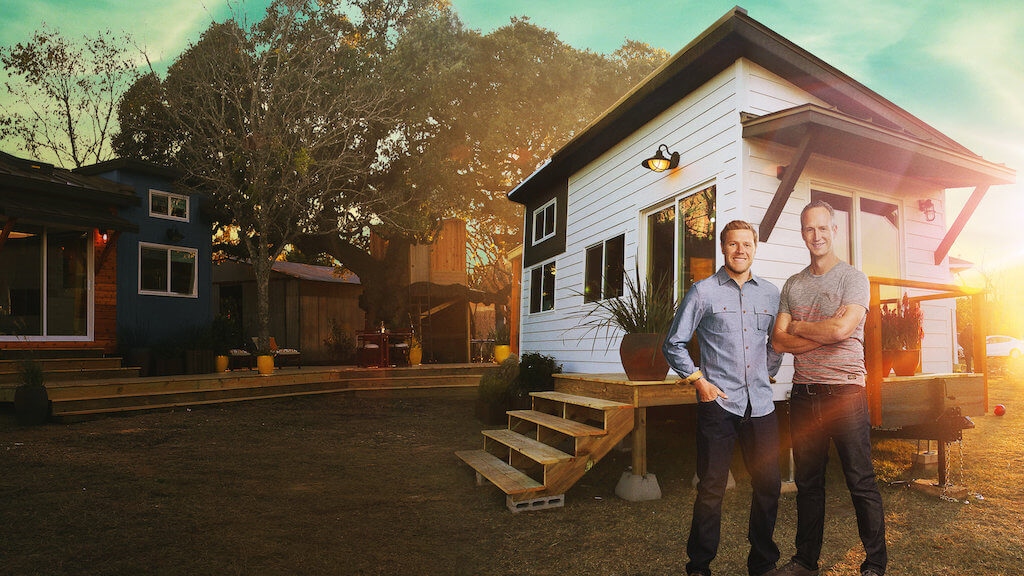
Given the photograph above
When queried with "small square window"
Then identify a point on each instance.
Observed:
(544, 222)
(168, 205)
(604, 270)
(542, 288)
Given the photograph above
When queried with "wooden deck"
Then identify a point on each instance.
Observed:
(82, 399)
(921, 399)
(618, 388)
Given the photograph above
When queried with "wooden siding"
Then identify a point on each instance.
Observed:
(318, 306)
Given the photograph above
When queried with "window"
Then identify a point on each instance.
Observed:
(544, 222)
(681, 244)
(167, 270)
(605, 267)
(542, 288)
(168, 205)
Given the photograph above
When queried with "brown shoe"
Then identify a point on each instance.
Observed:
(793, 568)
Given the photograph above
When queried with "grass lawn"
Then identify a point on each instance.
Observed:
(369, 484)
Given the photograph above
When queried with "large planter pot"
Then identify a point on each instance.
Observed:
(221, 363)
(888, 356)
(502, 352)
(265, 365)
(905, 362)
(642, 358)
(415, 356)
(31, 405)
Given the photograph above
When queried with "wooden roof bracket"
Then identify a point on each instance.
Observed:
(958, 225)
(8, 226)
(789, 178)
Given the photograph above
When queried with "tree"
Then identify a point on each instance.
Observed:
(273, 122)
(64, 95)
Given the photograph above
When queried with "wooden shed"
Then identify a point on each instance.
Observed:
(305, 302)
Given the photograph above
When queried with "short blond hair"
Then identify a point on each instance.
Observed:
(737, 225)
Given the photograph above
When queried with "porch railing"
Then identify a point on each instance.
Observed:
(873, 332)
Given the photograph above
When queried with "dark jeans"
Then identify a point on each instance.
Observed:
(840, 416)
(717, 431)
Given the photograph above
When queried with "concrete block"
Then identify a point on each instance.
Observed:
(542, 503)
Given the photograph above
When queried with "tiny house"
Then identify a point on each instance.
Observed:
(761, 127)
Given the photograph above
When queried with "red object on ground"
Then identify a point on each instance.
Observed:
(999, 410)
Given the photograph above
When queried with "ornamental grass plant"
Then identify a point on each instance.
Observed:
(643, 308)
(902, 325)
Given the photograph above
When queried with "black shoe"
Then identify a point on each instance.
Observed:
(793, 568)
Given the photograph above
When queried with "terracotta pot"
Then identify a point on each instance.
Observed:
(415, 356)
(265, 365)
(221, 363)
(887, 359)
(502, 352)
(905, 362)
(642, 358)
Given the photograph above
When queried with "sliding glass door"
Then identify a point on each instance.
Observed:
(44, 284)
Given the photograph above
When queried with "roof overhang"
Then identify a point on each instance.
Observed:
(837, 135)
(74, 214)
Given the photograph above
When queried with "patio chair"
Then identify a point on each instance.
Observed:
(240, 358)
(282, 356)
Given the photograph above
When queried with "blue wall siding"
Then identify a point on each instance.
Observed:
(159, 317)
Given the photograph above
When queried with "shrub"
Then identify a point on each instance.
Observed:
(341, 346)
(30, 374)
(536, 372)
(498, 384)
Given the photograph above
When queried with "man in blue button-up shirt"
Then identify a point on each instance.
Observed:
(732, 314)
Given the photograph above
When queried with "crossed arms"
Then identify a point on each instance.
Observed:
(797, 337)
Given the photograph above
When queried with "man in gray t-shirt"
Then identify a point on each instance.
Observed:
(807, 297)
(821, 322)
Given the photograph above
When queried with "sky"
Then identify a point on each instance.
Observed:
(956, 64)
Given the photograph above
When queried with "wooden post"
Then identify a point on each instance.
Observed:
(942, 463)
(978, 309)
(640, 441)
(873, 355)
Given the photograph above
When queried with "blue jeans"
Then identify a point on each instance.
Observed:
(839, 415)
(717, 432)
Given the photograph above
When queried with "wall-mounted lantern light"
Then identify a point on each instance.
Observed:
(928, 208)
(659, 163)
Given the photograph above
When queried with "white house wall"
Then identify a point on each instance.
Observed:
(606, 198)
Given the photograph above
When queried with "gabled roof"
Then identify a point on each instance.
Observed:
(735, 35)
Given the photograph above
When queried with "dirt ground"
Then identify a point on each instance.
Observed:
(369, 484)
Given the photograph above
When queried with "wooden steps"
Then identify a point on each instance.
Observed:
(51, 353)
(551, 446)
(59, 365)
(510, 480)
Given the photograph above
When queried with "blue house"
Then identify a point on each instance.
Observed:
(164, 268)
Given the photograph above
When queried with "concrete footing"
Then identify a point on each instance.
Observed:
(637, 488)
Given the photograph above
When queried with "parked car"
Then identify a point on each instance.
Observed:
(998, 345)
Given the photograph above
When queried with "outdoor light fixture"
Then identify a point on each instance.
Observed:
(659, 163)
(928, 207)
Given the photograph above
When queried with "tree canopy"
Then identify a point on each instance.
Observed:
(64, 95)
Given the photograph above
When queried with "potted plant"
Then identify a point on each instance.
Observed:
(221, 341)
(31, 402)
(901, 337)
(502, 339)
(644, 313)
(415, 351)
